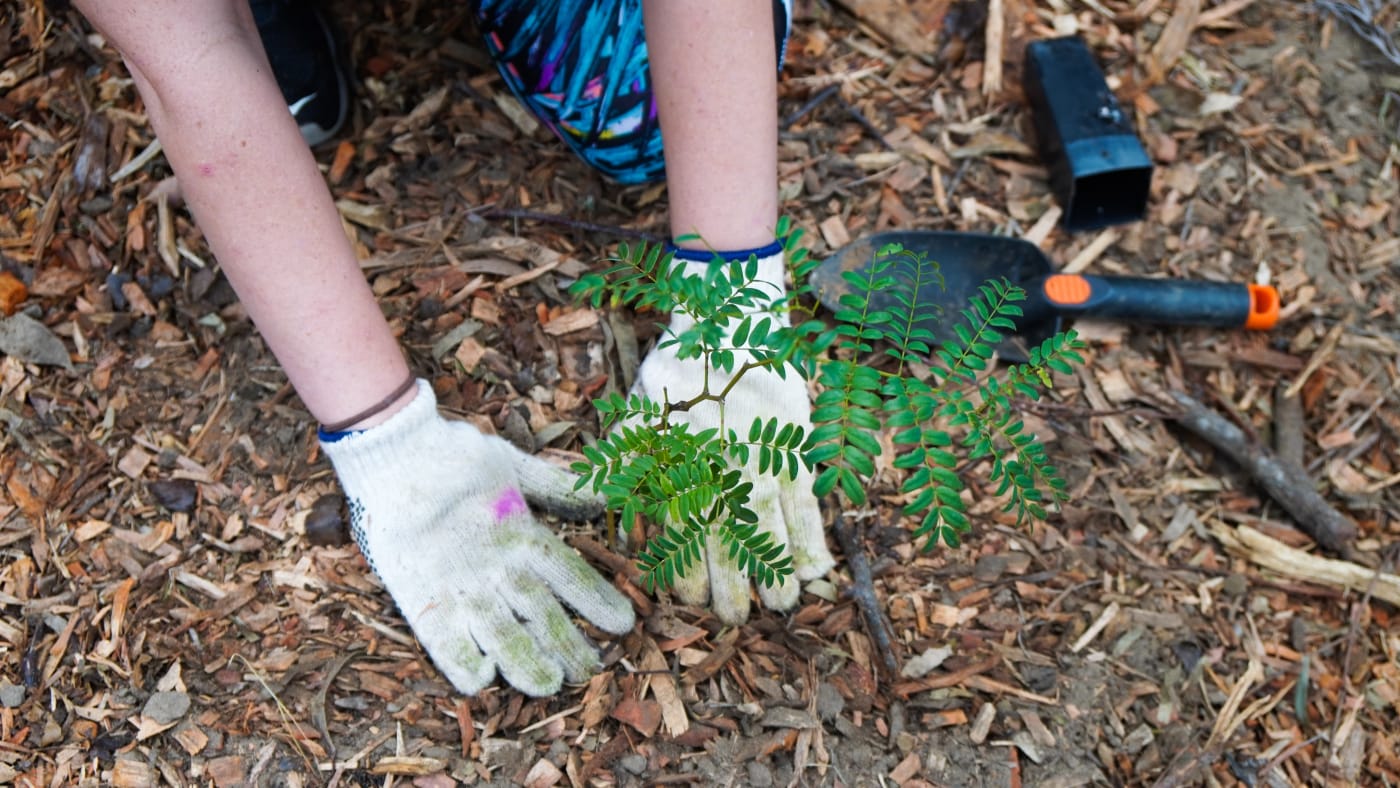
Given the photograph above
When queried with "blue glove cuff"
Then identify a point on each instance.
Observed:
(712, 256)
(332, 437)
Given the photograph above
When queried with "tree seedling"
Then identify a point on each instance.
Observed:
(875, 370)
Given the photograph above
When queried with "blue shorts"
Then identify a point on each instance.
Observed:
(580, 66)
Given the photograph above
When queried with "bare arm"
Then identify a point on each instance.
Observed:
(721, 134)
(258, 196)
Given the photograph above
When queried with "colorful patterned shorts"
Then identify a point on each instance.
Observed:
(581, 67)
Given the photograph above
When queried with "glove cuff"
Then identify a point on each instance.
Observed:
(711, 256)
(772, 265)
(361, 456)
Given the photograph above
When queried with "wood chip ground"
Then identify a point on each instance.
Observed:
(166, 619)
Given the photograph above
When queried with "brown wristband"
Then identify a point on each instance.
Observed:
(341, 426)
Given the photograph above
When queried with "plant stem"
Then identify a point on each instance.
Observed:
(706, 396)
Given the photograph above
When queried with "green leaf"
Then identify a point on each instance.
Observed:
(850, 485)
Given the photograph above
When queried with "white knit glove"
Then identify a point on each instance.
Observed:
(786, 507)
(440, 512)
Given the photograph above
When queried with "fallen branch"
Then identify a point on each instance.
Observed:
(1292, 562)
(1282, 480)
(862, 590)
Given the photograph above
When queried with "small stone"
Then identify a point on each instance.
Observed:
(760, 776)
(167, 707)
(829, 701)
(1041, 678)
(11, 695)
(324, 525)
(989, 568)
(1235, 585)
(633, 764)
(176, 495)
(114, 290)
(1138, 739)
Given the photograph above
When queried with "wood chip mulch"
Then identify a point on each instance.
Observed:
(177, 610)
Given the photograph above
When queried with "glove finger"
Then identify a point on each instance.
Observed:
(509, 644)
(446, 636)
(782, 595)
(806, 531)
(550, 488)
(693, 586)
(579, 585)
(553, 631)
(729, 586)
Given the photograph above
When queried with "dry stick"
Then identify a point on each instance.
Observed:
(1283, 481)
(996, 35)
(865, 123)
(811, 104)
(862, 590)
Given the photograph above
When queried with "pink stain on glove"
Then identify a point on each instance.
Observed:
(509, 504)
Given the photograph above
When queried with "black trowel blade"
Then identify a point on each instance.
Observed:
(966, 261)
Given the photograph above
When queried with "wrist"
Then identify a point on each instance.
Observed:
(377, 413)
(391, 407)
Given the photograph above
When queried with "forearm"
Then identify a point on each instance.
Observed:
(258, 196)
(716, 87)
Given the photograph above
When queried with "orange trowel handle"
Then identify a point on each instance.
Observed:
(1167, 301)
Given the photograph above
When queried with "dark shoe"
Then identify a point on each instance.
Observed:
(306, 61)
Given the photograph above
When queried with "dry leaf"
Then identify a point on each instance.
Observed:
(570, 322)
(29, 340)
(644, 715)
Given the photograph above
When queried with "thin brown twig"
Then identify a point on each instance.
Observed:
(1287, 484)
(862, 590)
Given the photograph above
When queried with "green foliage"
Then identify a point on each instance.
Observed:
(877, 370)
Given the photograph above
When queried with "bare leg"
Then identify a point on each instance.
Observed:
(716, 85)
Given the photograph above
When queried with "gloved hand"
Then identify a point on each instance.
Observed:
(786, 507)
(439, 511)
